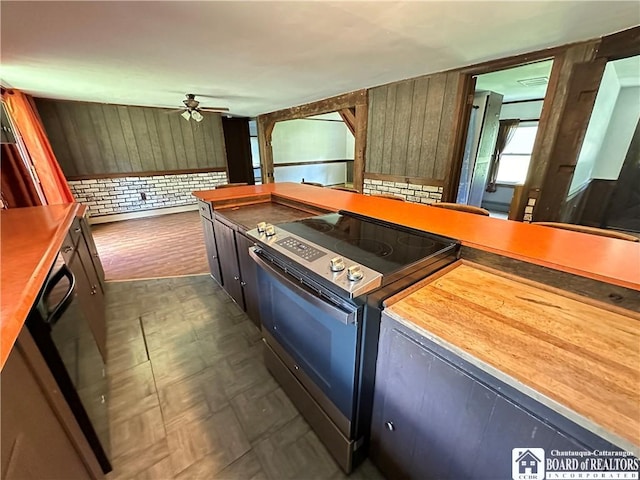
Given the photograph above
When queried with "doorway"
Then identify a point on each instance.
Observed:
(502, 131)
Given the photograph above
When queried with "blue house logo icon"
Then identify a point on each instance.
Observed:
(528, 463)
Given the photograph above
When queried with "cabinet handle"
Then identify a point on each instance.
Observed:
(242, 284)
(67, 249)
(94, 289)
(214, 256)
(390, 426)
(102, 399)
(77, 230)
(236, 278)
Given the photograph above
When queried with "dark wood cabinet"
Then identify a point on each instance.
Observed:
(79, 259)
(434, 419)
(93, 251)
(213, 257)
(212, 249)
(226, 243)
(40, 438)
(248, 278)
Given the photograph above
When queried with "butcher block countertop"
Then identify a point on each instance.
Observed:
(31, 240)
(578, 359)
(604, 259)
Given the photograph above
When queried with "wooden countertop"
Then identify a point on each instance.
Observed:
(605, 259)
(578, 359)
(31, 239)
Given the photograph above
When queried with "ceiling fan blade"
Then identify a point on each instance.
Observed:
(173, 111)
(213, 109)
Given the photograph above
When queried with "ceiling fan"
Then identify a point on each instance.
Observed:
(193, 109)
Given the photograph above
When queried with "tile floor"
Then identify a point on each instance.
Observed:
(190, 397)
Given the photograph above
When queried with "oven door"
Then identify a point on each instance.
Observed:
(314, 333)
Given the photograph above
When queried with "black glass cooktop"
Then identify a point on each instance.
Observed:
(381, 246)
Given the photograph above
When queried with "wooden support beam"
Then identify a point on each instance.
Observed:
(333, 104)
(360, 134)
(265, 130)
(348, 116)
(620, 45)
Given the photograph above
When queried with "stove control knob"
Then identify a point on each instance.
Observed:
(337, 264)
(354, 273)
(261, 227)
(269, 230)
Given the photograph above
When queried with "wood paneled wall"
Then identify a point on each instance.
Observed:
(410, 127)
(97, 139)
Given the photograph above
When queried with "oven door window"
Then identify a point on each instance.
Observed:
(321, 345)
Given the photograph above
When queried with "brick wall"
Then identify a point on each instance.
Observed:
(108, 196)
(411, 192)
(528, 210)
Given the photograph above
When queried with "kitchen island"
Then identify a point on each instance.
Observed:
(607, 260)
(520, 364)
(590, 273)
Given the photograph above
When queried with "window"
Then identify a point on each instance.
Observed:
(514, 161)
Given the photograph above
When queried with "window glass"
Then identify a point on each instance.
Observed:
(514, 162)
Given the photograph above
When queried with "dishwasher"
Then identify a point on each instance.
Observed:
(61, 331)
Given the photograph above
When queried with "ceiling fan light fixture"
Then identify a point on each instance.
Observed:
(186, 115)
(197, 116)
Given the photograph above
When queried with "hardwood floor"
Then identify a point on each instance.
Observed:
(163, 246)
(190, 397)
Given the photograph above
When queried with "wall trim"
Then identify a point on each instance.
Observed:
(152, 173)
(312, 162)
(156, 212)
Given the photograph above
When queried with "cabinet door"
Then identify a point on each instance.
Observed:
(249, 277)
(88, 292)
(93, 251)
(433, 420)
(226, 243)
(34, 443)
(212, 250)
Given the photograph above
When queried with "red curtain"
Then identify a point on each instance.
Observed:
(27, 122)
(15, 181)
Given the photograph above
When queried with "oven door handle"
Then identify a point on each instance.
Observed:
(344, 317)
(54, 314)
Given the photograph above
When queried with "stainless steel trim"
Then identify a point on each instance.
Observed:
(338, 418)
(341, 448)
(340, 315)
(321, 266)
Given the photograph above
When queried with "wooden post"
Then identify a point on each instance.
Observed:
(361, 119)
(265, 130)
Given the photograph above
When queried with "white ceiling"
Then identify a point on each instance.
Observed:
(257, 57)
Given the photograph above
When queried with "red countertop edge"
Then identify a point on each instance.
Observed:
(608, 260)
(21, 277)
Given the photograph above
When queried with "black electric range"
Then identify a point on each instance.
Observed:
(354, 254)
(322, 284)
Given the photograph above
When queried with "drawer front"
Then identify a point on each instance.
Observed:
(205, 209)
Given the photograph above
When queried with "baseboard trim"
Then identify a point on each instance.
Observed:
(117, 217)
